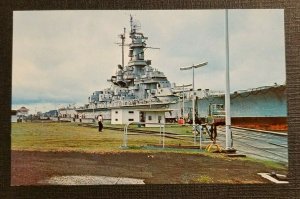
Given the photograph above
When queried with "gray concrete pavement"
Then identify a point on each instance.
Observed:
(267, 146)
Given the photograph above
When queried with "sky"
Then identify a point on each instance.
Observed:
(62, 57)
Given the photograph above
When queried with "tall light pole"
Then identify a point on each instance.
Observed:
(193, 96)
(229, 143)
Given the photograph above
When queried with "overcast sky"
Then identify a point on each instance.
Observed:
(61, 57)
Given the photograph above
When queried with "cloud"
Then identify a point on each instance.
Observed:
(257, 48)
(63, 56)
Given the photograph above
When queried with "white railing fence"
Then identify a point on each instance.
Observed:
(162, 134)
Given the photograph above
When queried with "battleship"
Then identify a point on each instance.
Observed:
(137, 85)
(141, 93)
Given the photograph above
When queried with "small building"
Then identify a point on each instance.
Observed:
(154, 116)
(22, 114)
(125, 116)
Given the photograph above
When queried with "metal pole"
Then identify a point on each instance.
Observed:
(227, 94)
(126, 137)
(193, 96)
(200, 138)
(93, 112)
(160, 134)
(193, 101)
(163, 136)
(183, 104)
(124, 143)
(123, 39)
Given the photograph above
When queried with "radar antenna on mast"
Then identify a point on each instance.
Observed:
(134, 24)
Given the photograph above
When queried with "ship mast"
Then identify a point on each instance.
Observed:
(131, 24)
(122, 36)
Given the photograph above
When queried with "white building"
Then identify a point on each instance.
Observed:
(151, 117)
(155, 116)
(22, 113)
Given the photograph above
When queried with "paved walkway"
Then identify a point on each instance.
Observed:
(263, 145)
(90, 180)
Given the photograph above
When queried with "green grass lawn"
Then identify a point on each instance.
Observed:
(71, 137)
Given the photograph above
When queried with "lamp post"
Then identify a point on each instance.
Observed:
(193, 96)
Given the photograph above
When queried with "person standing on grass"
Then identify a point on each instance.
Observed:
(100, 123)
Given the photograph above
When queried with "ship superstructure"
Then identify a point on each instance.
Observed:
(136, 84)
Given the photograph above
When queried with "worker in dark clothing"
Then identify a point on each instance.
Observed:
(100, 122)
(213, 133)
